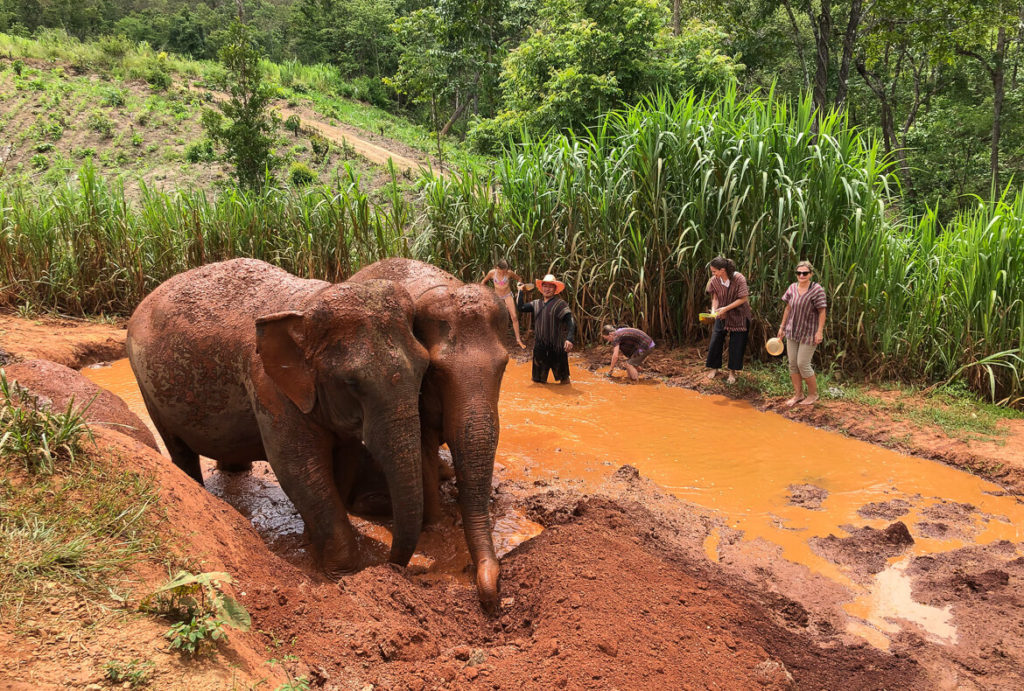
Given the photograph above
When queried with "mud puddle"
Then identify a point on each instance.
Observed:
(768, 477)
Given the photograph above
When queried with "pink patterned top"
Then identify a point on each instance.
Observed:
(803, 312)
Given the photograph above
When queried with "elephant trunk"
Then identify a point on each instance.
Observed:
(473, 439)
(394, 441)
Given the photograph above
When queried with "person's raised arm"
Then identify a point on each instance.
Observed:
(487, 277)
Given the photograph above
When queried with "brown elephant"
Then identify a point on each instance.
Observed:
(241, 361)
(461, 326)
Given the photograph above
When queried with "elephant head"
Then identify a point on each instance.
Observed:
(350, 362)
(461, 325)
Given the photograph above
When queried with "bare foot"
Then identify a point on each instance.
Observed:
(712, 374)
(790, 402)
(731, 379)
(810, 400)
(522, 345)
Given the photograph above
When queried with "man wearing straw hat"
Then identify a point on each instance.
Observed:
(554, 329)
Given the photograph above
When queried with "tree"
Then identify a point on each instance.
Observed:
(249, 135)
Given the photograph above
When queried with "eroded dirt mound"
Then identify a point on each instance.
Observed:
(58, 385)
(69, 342)
(866, 550)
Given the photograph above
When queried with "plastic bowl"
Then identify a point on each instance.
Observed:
(774, 346)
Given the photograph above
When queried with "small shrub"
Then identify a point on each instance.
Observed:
(301, 175)
(114, 46)
(37, 85)
(158, 78)
(85, 152)
(40, 162)
(99, 122)
(200, 607)
(18, 67)
(200, 152)
(114, 98)
(320, 145)
(136, 139)
(293, 124)
(134, 673)
(43, 147)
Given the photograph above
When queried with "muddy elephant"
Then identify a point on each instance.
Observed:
(461, 326)
(241, 361)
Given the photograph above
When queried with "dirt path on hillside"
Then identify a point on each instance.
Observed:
(379, 151)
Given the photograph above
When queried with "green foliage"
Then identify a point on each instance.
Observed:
(201, 608)
(40, 162)
(200, 152)
(114, 98)
(134, 673)
(301, 175)
(18, 66)
(249, 133)
(293, 124)
(587, 57)
(99, 122)
(34, 435)
(321, 146)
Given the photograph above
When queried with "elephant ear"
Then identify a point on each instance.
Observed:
(279, 343)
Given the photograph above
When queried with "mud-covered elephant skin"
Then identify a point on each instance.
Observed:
(461, 326)
(241, 361)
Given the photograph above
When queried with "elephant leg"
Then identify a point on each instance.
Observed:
(302, 456)
(366, 491)
(183, 456)
(431, 442)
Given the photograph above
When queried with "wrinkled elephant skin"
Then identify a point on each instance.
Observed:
(461, 326)
(241, 361)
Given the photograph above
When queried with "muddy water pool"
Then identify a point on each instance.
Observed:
(709, 450)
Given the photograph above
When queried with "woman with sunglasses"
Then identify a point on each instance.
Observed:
(730, 303)
(803, 325)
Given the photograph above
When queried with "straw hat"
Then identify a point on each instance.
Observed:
(774, 346)
(550, 278)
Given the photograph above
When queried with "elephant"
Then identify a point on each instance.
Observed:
(241, 361)
(461, 325)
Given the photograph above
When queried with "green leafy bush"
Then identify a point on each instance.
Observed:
(40, 162)
(293, 124)
(200, 152)
(100, 122)
(18, 66)
(301, 175)
(321, 146)
(114, 98)
(201, 608)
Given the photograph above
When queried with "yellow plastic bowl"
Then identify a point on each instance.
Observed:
(706, 317)
(774, 346)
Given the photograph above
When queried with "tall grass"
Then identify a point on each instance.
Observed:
(631, 213)
(83, 249)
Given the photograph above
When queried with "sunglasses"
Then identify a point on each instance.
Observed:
(803, 273)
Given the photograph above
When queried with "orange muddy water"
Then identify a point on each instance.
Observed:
(709, 450)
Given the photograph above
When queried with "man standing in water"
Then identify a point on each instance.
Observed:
(554, 329)
(633, 344)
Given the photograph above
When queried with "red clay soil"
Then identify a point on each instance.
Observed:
(59, 386)
(70, 342)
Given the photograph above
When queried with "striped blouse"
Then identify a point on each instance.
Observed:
(803, 312)
(735, 319)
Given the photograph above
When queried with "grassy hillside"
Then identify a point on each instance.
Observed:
(135, 113)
